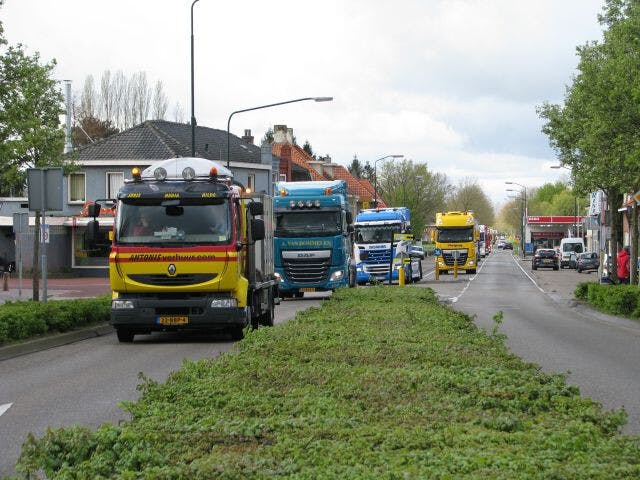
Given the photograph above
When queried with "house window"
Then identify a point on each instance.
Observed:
(251, 182)
(77, 188)
(115, 181)
(283, 177)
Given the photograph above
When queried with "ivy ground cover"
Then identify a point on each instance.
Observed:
(378, 383)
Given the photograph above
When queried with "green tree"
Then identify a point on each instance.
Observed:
(595, 131)
(268, 137)
(30, 131)
(308, 149)
(405, 184)
(356, 169)
(90, 129)
(469, 196)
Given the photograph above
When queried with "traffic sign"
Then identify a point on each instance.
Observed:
(402, 236)
(437, 252)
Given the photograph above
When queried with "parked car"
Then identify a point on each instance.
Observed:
(545, 257)
(587, 261)
(417, 251)
(508, 246)
(569, 249)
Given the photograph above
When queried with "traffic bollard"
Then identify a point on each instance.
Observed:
(401, 276)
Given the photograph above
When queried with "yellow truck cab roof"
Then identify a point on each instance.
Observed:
(455, 219)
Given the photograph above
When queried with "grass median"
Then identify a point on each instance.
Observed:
(379, 382)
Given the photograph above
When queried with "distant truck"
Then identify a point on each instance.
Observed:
(190, 251)
(313, 242)
(484, 244)
(456, 236)
(375, 245)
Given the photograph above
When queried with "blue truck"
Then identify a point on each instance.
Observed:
(375, 245)
(313, 237)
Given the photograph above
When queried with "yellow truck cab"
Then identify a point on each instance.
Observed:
(456, 237)
(190, 251)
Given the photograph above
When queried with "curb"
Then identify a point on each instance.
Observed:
(55, 340)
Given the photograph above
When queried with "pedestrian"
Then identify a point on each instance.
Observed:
(623, 266)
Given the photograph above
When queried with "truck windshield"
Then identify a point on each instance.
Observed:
(308, 224)
(197, 223)
(455, 235)
(381, 234)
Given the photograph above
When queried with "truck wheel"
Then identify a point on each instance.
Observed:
(124, 335)
(237, 333)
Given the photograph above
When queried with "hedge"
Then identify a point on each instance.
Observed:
(378, 383)
(622, 300)
(23, 320)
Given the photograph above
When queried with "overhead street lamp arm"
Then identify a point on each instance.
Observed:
(315, 99)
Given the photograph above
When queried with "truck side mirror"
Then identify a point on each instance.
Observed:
(92, 233)
(256, 208)
(349, 218)
(257, 229)
(93, 209)
(350, 229)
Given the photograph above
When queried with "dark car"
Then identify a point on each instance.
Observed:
(587, 261)
(545, 257)
(507, 246)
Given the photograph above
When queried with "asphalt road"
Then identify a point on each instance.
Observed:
(82, 383)
(544, 325)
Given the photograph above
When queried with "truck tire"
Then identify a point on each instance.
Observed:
(237, 333)
(124, 335)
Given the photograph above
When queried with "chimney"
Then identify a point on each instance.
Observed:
(279, 134)
(290, 135)
(247, 137)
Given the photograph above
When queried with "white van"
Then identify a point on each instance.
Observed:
(569, 250)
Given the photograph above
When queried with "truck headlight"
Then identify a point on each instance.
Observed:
(470, 262)
(336, 276)
(278, 276)
(122, 304)
(223, 303)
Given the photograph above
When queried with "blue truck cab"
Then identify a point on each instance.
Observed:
(313, 238)
(375, 245)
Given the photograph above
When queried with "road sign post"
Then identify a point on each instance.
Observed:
(20, 227)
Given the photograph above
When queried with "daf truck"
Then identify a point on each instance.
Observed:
(456, 237)
(313, 237)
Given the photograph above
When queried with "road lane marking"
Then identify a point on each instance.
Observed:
(528, 276)
(455, 299)
(4, 408)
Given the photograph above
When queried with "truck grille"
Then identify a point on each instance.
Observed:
(306, 270)
(176, 281)
(448, 258)
(376, 261)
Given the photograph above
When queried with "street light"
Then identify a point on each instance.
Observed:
(524, 213)
(375, 177)
(315, 99)
(193, 115)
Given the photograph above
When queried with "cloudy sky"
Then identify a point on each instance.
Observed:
(450, 83)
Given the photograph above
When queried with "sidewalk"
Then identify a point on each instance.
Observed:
(57, 288)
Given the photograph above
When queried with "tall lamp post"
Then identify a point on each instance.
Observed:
(524, 213)
(315, 99)
(375, 177)
(193, 115)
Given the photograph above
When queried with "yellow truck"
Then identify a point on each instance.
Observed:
(190, 251)
(456, 237)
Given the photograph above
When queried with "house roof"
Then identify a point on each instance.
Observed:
(161, 139)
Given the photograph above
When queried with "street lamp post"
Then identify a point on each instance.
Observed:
(315, 99)
(193, 115)
(524, 214)
(375, 177)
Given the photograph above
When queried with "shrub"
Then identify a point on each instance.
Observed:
(581, 291)
(22, 320)
(615, 299)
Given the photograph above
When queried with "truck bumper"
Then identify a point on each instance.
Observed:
(375, 273)
(156, 313)
(287, 286)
